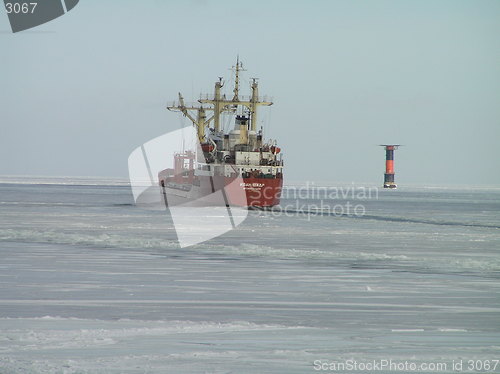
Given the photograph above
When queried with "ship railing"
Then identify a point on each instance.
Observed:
(177, 104)
(211, 97)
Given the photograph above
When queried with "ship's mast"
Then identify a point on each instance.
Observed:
(237, 69)
(217, 105)
(254, 103)
(200, 121)
(223, 105)
(220, 104)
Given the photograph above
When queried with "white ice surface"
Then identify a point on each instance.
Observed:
(91, 284)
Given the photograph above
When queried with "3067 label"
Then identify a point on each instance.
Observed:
(20, 8)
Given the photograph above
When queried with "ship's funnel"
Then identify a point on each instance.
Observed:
(242, 121)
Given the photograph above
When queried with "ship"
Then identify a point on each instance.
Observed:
(234, 159)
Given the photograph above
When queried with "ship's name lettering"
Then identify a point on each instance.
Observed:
(251, 185)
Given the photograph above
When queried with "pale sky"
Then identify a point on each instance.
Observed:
(79, 93)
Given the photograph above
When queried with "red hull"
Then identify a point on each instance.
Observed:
(259, 192)
(246, 192)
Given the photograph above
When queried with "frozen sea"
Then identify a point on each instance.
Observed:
(90, 283)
